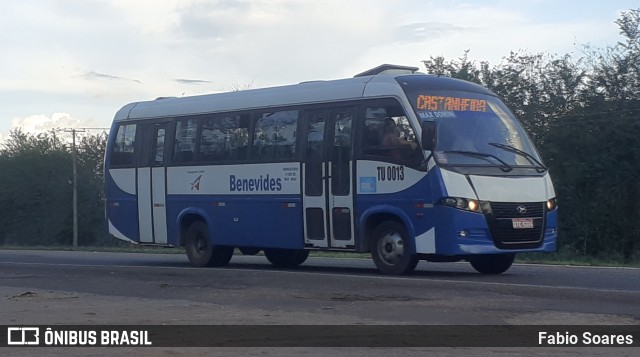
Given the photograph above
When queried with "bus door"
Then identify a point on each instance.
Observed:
(327, 188)
(151, 182)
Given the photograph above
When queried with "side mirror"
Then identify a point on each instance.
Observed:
(428, 135)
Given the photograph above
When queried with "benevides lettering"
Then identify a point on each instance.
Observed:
(259, 184)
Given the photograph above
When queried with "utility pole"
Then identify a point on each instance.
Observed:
(75, 191)
(74, 155)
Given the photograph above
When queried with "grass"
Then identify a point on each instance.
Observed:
(125, 248)
(563, 258)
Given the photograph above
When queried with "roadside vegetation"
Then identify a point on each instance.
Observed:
(583, 112)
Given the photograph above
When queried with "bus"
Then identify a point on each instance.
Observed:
(393, 162)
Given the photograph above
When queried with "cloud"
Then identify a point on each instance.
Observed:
(41, 123)
(191, 81)
(151, 17)
(90, 58)
(274, 42)
(216, 20)
(420, 32)
(95, 75)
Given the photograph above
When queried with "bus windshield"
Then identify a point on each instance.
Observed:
(475, 130)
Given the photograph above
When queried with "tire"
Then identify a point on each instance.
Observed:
(492, 263)
(201, 252)
(286, 258)
(390, 249)
(249, 250)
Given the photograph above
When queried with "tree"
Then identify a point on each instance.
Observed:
(584, 115)
(36, 194)
(91, 224)
(616, 70)
(36, 184)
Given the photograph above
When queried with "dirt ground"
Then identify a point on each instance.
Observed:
(50, 307)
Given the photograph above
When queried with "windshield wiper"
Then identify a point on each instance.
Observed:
(505, 167)
(540, 168)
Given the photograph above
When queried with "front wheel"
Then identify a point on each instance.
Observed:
(492, 263)
(286, 258)
(201, 252)
(390, 249)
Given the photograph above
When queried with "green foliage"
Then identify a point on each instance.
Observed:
(584, 115)
(35, 184)
(36, 194)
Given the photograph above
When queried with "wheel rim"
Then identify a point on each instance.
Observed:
(391, 248)
(200, 245)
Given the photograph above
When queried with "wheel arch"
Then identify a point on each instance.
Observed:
(374, 216)
(187, 217)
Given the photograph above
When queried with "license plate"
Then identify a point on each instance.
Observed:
(522, 223)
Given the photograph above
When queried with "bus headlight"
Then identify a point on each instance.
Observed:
(467, 204)
(551, 204)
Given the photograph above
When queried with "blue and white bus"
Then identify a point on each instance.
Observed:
(403, 165)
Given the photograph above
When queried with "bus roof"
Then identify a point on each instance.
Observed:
(381, 83)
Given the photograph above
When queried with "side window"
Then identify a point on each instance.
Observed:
(123, 150)
(341, 153)
(224, 138)
(315, 122)
(184, 148)
(274, 137)
(158, 149)
(388, 135)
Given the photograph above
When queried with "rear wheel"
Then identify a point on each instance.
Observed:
(492, 263)
(200, 250)
(390, 249)
(286, 258)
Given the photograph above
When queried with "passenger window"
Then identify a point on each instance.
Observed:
(315, 122)
(158, 152)
(274, 137)
(224, 138)
(185, 142)
(341, 153)
(124, 146)
(388, 135)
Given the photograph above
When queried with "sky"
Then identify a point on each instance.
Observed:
(74, 63)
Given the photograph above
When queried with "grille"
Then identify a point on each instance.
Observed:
(510, 210)
(500, 217)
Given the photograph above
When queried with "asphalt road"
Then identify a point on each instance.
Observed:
(127, 288)
(97, 288)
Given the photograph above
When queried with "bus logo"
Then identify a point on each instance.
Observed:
(521, 209)
(195, 185)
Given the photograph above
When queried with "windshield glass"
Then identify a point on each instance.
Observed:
(475, 129)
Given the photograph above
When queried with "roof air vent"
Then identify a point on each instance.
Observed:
(388, 69)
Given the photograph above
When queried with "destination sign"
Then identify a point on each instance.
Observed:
(442, 103)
